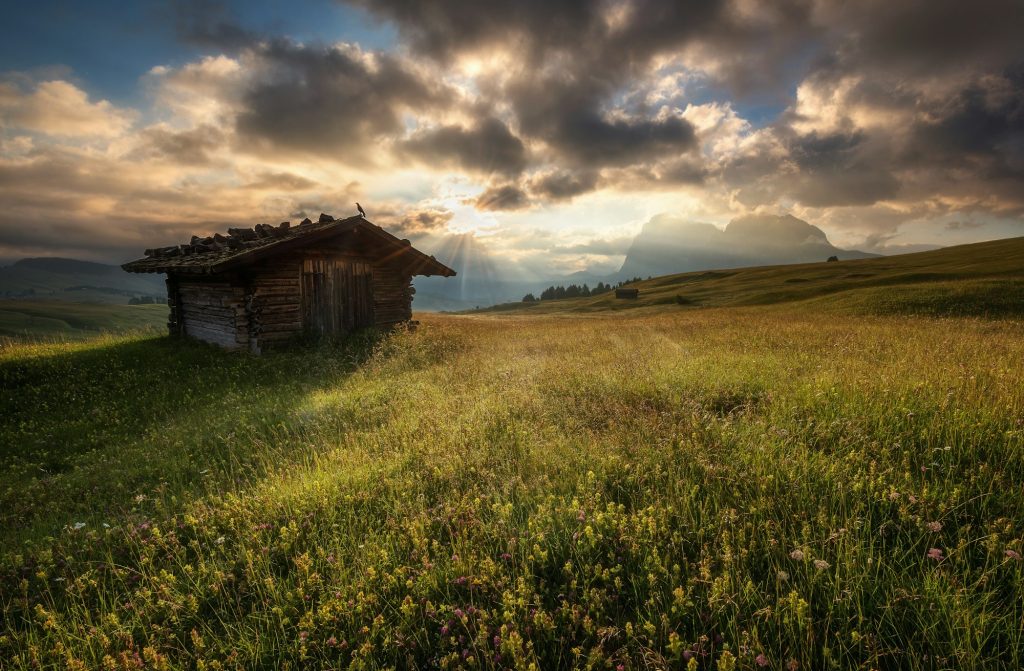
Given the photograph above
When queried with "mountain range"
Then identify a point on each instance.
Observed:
(668, 245)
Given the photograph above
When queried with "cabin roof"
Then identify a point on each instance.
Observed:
(242, 246)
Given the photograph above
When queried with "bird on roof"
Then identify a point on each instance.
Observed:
(362, 213)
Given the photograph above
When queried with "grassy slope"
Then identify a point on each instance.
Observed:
(985, 278)
(22, 319)
(627, 489)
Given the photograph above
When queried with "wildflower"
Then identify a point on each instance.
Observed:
(620, 667)
(934, 527)
(506, 556)
(936, 554)
(140, 498)
(820, 564)
(78, 525)
(761, 660)
(792, 665)
(219, 541)
(303, 635)
(797, 554)
(782, 575)
(1013, 554)
(332, 641)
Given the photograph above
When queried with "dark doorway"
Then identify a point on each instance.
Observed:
(337, 295)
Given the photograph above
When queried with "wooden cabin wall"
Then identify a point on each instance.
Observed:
(274, 301)
(392, 295)
(213, 311)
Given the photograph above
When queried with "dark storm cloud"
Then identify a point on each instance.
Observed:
(834, 171)
(925, 37)
(985, 122)
(563, 184)
(503, 197)
(189, 147)
(331, 99)
(487, 147)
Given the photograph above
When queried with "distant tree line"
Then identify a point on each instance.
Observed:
(577, 291)
(142, 300)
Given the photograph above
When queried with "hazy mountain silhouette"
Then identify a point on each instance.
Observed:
(76, 281)
(668, 245)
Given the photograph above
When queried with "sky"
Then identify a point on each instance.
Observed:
(542, 133)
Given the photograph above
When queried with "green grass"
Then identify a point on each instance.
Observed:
(659, 488)
(28, 320)
(982, 279)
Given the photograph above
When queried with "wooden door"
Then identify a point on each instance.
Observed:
(337, 295)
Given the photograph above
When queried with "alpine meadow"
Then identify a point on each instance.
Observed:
(785, 485)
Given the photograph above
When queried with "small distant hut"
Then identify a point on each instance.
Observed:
(256, 288)
(627, 293)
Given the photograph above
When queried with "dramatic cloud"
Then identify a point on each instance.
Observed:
(487, 147)
(545, 131)
(337, 99)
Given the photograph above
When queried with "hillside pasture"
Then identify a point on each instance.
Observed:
(748, 487)
(22, 320)
(982, 279)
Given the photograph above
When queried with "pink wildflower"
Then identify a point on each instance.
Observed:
(936, 554)
(761, 660)
(934, 527)
(1013, 554)
(797, 554)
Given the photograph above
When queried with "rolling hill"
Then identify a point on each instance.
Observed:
(75, 281)
(985, 278)
(24, 319)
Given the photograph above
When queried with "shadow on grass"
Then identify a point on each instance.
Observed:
(153, 419)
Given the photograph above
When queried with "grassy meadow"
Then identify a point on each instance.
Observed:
(724, 488)
(38, 319)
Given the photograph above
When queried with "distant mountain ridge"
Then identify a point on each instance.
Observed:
(77, 281)
(668, 245)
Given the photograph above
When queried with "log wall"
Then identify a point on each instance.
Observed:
(274, 301)
(392, 296)
(213, 311)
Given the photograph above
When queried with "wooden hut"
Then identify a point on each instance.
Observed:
(255, 288)
(627, 293)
